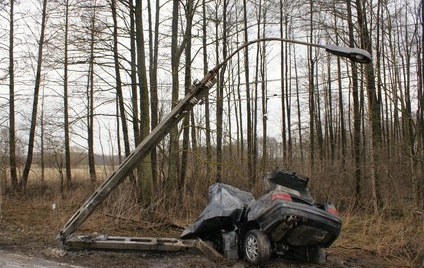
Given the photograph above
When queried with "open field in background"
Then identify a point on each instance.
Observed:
(394, 235)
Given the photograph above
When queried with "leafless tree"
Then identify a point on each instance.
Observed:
(31, 139)
(66, 100)
(12, 130)
(145, 174)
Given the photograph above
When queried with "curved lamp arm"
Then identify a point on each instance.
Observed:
(355, 54)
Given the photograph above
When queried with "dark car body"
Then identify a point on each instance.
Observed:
(287, 220)
(308, 225)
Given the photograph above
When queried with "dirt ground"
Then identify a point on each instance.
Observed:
(36, 251)
(28, 238)
(56, 257)
(40, 256)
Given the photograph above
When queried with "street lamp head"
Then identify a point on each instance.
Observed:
(355, 54)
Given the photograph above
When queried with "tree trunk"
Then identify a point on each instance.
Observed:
(255, 99)
(118, 130)
(283, 83)
(187, 85)
(407, 114)
(220, 98)
(154, 50)
(239, 115)
(264, 94)
(31, 139)
(133, 75)
(12, 137)
(248, 105)
(317, 116)
(299, 119)
(356, 115)
(145, 183)
(373, 106)
(42, 138)
(173, 160)
(207, 111)
(90, 98)
(176, 52)
(420, 116)
(288, 87)
(330, 113)
(341, 108)
(66, 104)
(311, 64)
(118, 82)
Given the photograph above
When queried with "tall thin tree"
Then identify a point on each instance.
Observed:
(66, 101)
(145, 174)
(90, 98)
(356, 112)
(311, 64)
(118, 80)
(31, 139)
(187, 84)
(373, 106)
(153, 75)
(207, 110)
(220, 96)
(248, 96)
(133, 74)
(12, 137)
(283, 78)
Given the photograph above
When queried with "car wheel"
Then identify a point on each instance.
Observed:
(317, 255)
(257, 247)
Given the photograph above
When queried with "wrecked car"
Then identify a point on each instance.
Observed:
(285, 222)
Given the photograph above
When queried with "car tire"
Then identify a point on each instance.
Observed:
(257, 247)
(317, 255)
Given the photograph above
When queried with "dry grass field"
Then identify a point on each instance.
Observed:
(29, 225)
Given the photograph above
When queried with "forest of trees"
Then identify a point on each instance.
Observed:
(83, 80)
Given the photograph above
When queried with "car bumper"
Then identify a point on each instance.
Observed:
(308, 225)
